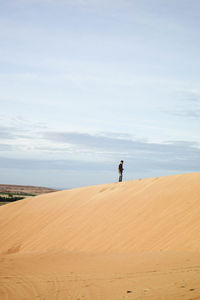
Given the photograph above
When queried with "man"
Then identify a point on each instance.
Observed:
(120, 170)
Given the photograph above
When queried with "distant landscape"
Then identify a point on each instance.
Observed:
(10, 193)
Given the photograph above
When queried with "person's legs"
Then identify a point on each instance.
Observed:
(120, 177)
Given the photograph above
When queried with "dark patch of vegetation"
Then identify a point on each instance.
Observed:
(10, 198)
(17, 194)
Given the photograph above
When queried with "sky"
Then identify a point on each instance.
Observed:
(87, 83)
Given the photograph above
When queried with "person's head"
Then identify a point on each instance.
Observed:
(121, 161)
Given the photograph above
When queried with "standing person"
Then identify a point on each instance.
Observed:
(120, 170)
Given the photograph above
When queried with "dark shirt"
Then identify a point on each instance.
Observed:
(120, 168)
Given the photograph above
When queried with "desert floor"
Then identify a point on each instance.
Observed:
(79, 276)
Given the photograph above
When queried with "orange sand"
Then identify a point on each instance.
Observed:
(132, 240)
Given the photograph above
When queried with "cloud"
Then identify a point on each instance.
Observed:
(85, 152)
(92, 3)
(6, 147)
(191, 114)
(6, 133)
(95, 159)
(192, 96)
(188, 105)
(67, 165)
(173, 155)
(151, 158)
(107, 142)
(33, 139)
(17, 126)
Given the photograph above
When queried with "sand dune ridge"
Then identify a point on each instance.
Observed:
(150, 214)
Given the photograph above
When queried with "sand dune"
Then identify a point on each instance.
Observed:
(151, 214)
(132, 240)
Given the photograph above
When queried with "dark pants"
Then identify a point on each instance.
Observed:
(120, 177)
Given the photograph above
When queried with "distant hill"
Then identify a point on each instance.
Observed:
(24, 189)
